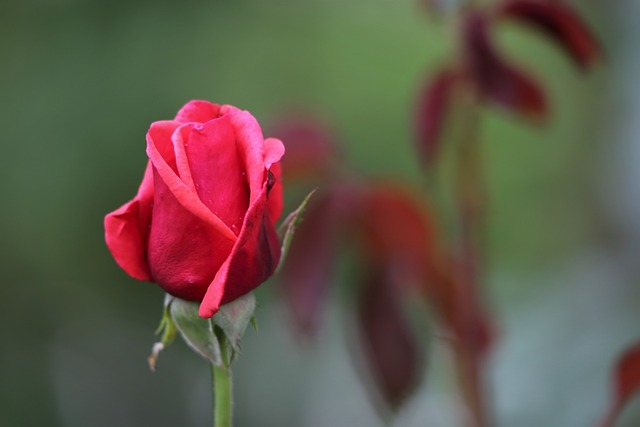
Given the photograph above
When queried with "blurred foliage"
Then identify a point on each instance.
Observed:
(80, 82)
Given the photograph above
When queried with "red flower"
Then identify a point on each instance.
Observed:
(202, 225)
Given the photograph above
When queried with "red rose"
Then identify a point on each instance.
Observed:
(202, 225)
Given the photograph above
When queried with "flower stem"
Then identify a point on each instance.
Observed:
(471, 201)
(222, 396)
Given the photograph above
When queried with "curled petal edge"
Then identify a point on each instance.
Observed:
(185, 196)
(257, 265)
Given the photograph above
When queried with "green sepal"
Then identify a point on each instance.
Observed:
(168, 329)
(288, 228)
(232, 320)
(254, 323)
(216, 339)
(197, 332)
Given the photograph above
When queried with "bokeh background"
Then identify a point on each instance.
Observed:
(80, 82)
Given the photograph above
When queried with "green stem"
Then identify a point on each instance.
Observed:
(222, 396)
(471, 200)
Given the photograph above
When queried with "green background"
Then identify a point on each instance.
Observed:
(80, 82)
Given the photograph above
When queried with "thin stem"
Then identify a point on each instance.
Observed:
(471, 200)
(222, 396)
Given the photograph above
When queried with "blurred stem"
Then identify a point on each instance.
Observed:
(471, 197)
(472, 389)
(222, 396)
(470, 200)
(610, 418)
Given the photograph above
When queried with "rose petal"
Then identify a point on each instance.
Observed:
(127, 230)
(164, 162)
(273, 151)
(123, 237)
(276, 195)
(558, 21)
(217, 170)
(250, 147)
(179, 138)
(197, 111)
(185, 252)
(253, 259)
(161, 133)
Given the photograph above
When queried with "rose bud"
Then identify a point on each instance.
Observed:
(202, 225)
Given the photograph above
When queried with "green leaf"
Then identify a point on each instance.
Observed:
(254, 323)
(196, 331)
(288, 228)
(233, 318)
(168, 329)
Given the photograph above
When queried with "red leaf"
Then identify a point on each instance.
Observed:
(496, 79)
(627, 383)
(310, 144)
(628, 374)
(431, 112)
(558, 21)
(398, 230)
(388, 343)
(460, 310)
(515, 91)
(306, 274)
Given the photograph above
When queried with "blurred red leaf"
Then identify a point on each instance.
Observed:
(310, 144)
(397, 230)
(459, 309)
(307, 272)
(560, 22)
(626, 383)
(628, 374)
(463, 315)
(306, 275)
(434, 103)
(389, 346)
(499, 81)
